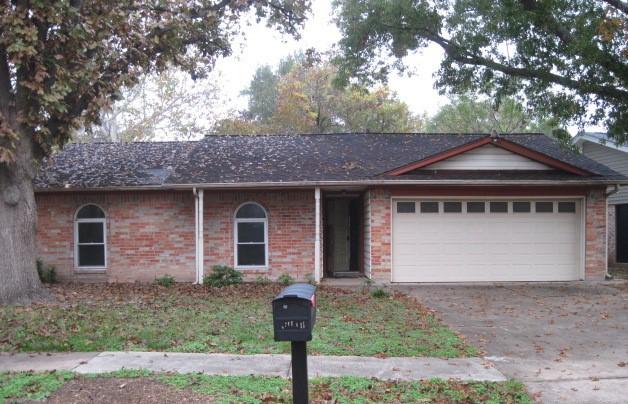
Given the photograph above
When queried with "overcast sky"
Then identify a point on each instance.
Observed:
(263, 45)
(266, 46)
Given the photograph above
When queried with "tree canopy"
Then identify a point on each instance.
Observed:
(299, 97)
(464, 114)
(566, 59)
(61, 62)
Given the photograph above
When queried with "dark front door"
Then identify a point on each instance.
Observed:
(621, 232)
(342, 237)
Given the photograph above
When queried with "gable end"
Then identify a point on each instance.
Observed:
(489, 153)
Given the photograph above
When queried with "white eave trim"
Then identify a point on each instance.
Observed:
(310, 184)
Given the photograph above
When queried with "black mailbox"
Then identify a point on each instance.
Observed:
(294, 313)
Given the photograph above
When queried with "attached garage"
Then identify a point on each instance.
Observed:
(475, 240)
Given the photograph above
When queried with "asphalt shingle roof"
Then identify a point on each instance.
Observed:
(232, 159)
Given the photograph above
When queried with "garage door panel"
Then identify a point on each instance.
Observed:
(459, 247)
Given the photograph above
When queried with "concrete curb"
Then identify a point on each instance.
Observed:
(466, 369)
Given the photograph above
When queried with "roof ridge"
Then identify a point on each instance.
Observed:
(373, 133)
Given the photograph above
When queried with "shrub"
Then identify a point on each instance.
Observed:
(285, 279)
(262, 280)
(379, 293)
(47, 273)
(367, 284)
(222, 275)
(166, 280)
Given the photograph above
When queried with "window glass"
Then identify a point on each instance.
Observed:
(90, 212)
(476, 207)
(405, 207)
(251, 254)
(90, 237)
(499, 207)
(250, 228)
(544, 207)
(250, 211)
(567, 207)
(250, 232)
(429, 207)
(91, 255)
(452, 207)
(90, 232)
(521, 207)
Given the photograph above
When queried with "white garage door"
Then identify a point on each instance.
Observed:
(486, 240)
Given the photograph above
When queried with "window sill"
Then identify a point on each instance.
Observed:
(90, 270)
(252, 268)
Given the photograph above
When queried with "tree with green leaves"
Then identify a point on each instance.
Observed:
(464, 114)
(166, 105)
(62, 62)
(306, 101)
(566, 59)
(262, 90)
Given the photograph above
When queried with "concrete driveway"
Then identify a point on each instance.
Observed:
(568, 342)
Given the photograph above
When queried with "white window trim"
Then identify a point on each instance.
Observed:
(77, 267)
(237, 220)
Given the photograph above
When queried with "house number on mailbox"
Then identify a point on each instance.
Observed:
(293, 325)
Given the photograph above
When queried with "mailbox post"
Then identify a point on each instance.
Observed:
(294, 315)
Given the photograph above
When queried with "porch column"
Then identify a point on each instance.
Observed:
(198, 235)
(201, 241)
(317, 235)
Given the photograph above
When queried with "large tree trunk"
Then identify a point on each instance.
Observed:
(19, 282)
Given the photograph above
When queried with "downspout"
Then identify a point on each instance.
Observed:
(196, 250)
(615, 189)
(317, 235)
(200, 238)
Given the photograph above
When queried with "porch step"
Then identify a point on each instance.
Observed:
(347, 274)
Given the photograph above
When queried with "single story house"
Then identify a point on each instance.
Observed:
(599, 147)
(391, 207)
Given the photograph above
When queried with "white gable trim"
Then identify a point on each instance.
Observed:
(488, 157)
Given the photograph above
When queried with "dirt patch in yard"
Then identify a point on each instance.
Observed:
(116, 390)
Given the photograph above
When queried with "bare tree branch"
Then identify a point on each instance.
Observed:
(618, 4)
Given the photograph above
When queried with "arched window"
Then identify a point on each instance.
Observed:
(251, 236)
(90, 237)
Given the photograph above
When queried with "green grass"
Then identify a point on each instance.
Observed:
(34, 386)
(249, 389)
(235, 319)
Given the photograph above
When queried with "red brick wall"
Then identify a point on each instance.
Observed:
(149, 234)
(291, 217)
(595, 233)
(380, 234)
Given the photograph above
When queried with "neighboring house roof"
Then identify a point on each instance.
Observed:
(597, 146)
(290, 159)
(599, 138)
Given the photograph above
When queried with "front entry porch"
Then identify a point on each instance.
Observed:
(343, 235)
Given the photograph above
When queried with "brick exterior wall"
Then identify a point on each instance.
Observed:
(612, 242)
(291, 221)
(380, 229)
(149, 234)
(596, 255)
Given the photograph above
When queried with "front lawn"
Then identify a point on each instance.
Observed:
(235, 319)
(144, 387)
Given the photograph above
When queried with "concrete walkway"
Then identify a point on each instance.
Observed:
(469, 369)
